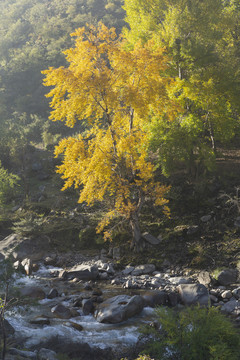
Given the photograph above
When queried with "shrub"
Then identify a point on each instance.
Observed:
(194, 333)
(8, 183)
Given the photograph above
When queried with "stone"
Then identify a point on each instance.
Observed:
(236, 293)
(127, 271)
(204, 278)
(206, 218)
(154, 298)
(53, 293)
(177, 280)
(73, 325)
(194, 294)
(173, 298)
(227, 294)
(32, 292)
(87, 306)
(227, 277)
(231, 307)
(119, 308)
(50, 261)
(143, 269)
(213, 298)
(46, 354)
(40, 320)
(82, 272)
(151, 239)
(61, 311)
(27, 266)
(25, 354)
(8, 328)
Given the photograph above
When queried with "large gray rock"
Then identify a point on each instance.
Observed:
(61, 311)
(204, 278)
(20, 247)
(143, 269)
(231, 307)
(227, 277)
(194, 294)
(81, 272)
(151, 239)
(119, 308)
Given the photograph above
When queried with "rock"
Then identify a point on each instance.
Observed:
(20, 247)
(227, 294)
(25, 354)
(32, 292)
(61, 311)
(74, 325)
(87, 306)
(151, 239)
(128, 269)
(173, 298)
(231, 307)
(194, 293)
(50, 261)
(40, 320)
(27, 265)
(116, 253)
(82, 272)
(177, 280)
(119, 308)
(204, 278)
(236, 293)
(53, 293)
(206, 218)
(8, 328)
(227, 277)
(46, 354)
(103, 276)
(143, 269)
(154, 298)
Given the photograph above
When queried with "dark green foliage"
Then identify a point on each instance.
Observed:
(8, 185)
(194, 333)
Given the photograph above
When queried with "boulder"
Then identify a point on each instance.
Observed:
(194, 294)
(151, 239)
(21, 247)
(177, 280)
(143, 269)
(119, 308)
(46, 354)
(204, 278)
(61, 311)
(128, 269)
(40, 320)
(231, 307)
(227, 277)
(32, 292)
(154, 298)
(81, 272)
(53, 293)
(87, 306)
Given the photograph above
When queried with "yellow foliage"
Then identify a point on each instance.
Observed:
(114, 89)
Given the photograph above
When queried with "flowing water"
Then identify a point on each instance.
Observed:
(93, 333)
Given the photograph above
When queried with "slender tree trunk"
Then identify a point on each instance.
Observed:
(137, 244)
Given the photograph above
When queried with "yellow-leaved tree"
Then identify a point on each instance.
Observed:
(114, 89)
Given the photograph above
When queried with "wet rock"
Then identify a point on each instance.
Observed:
(227, 277)
(204, 278)
(144, 269)
(73, 325)
(46, 354)
(194, 294)
(151, 239)
(53, 293)
(119, 308)
(61, 311)
(7, 327)
(154, 298)
(227, 294)
(32, 292)
(39, 320)
(87, 306)
(82, 272)
(25, 354)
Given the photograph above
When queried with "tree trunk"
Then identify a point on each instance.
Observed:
(137, 242)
